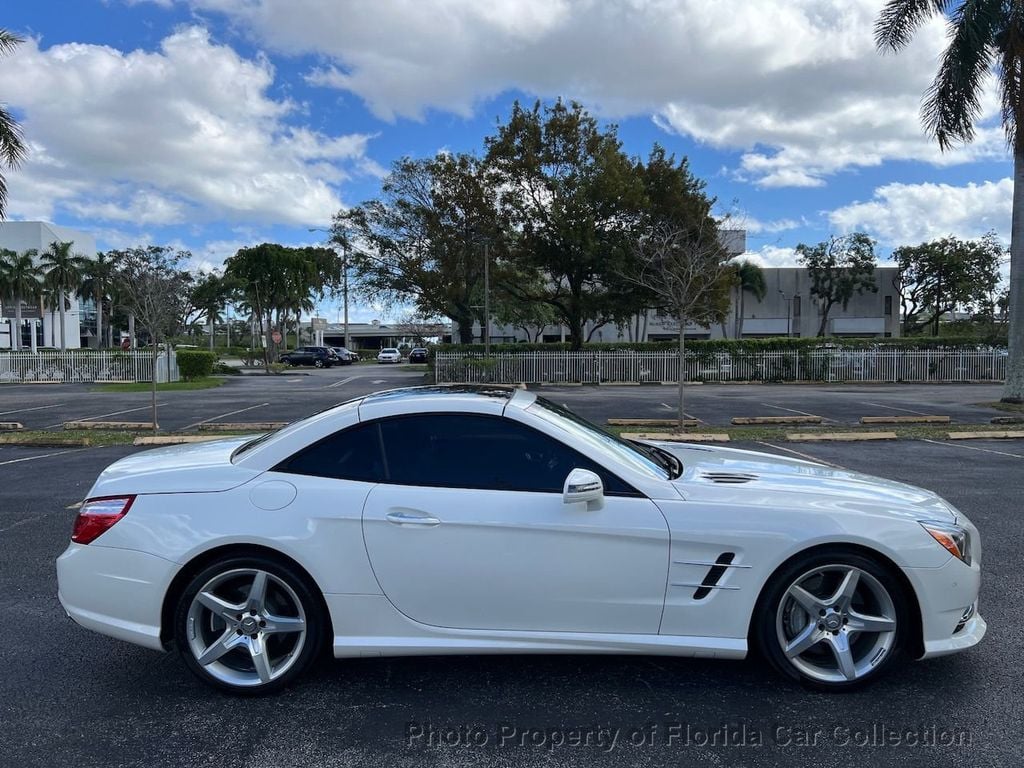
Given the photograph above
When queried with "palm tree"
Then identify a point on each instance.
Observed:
(749, 278)
(12, 144)
(99, 283)
(20, 281)
(983, 35)
(63, 278)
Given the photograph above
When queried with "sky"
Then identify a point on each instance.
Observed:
(211, 125)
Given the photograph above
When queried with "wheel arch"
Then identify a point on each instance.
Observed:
(915, 644)
(203, 559)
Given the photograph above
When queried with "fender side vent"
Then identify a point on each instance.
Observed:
(714, 575)
(729, 478)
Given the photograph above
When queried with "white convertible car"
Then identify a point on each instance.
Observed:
(454, 520)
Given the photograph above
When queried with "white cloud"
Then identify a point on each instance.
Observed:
(772, 256)
(796, 85)
(907, 214)
(188, 132)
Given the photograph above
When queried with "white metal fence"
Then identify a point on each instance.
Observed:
(87, 365)
(838, 364)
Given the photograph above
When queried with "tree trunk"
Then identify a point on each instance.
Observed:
(16, 333)
(156, 351)
(211, 333)
(99, 322)
(742, 307)
(1013, 390)
(824, 321)
(267, 341)
(63, 342)
(682, 370)
(131, 330)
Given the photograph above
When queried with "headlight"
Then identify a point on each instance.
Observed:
(953, 539)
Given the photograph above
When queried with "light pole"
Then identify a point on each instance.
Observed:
(789, 314)
(342, 241)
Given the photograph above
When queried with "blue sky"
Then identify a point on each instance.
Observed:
(213, 124)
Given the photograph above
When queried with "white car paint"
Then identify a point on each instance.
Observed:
(389, 355)
(507, 571)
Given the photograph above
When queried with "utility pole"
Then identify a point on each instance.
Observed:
(344, 285)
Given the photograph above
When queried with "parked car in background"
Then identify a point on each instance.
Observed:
(418, 355)
(345, 357)
(318, 357)
(389, 355)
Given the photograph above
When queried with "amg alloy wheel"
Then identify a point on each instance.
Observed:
(833, 622)
(248, 625)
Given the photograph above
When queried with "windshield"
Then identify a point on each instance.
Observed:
(647, 459)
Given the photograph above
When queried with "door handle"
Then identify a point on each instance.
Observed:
(408, 517)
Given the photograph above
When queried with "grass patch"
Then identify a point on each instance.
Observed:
(207, 382)
(1008, 407)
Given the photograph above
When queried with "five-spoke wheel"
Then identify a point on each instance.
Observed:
(248, 624)
(832, 620)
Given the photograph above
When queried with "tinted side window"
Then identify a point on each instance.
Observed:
(467, 451)
(352, 454)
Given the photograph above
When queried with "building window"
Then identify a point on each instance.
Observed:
(796, 306)
(888, 306)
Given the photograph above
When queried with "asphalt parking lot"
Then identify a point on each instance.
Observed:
(295, 395)
(71, 697)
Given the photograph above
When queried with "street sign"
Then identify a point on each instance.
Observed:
(276, 336)
(319, 323)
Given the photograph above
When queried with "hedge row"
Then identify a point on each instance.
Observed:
(741, 346)
(195, 363)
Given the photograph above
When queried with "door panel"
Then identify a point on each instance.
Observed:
(492, 559)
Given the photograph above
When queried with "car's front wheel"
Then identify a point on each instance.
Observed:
(833, 620)
(248, 625)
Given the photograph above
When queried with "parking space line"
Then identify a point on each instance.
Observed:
(686, 415)
(894, 408)
(103, 415)
(973, 448)
(223, 415)
(37, 408)
(339, 383)
(41, 456)
(806, 456)
(792, 410)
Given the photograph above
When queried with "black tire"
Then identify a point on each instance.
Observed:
(318, 363)
(301, 588)
(765, 627)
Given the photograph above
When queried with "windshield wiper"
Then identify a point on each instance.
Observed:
(672, 466)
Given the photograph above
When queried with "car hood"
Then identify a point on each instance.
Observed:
(188, 468)
(729, 475)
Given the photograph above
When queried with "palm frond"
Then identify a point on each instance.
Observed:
(13, 149)
(1011, 72)
(9, 41)
(952, 103)
(899, 19)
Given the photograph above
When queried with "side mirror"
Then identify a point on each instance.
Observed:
(583, 485)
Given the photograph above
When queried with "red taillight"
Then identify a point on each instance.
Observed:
(98, 515)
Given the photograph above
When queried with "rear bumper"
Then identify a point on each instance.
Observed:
(116, 592)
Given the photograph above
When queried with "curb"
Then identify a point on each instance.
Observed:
(56, 442)
(11, 426)
(129, 425)
(839, 437)
(651, 422)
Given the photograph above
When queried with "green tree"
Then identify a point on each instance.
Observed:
(944, 275)
(839, 269)
(210, 294)
(98, 282)
(63, 279)
(13, 149)
(20, 281)
(686, 272)
(424, 240)
(984, 35)
(151, 287)
(749, 279)
(571, 196)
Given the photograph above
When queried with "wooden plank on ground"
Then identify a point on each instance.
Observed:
(776, 420)
(838, 437)
(987, 435)
(904, 419)
(11, 426)
(651, 422)
(243, 426)
(174, 439)
(128, 425)
(677, 437)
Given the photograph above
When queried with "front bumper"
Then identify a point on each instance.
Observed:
(944, 594)
(116, 592)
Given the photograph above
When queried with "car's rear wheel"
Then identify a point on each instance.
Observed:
(833, 620)
(318, 363)
(248, 625)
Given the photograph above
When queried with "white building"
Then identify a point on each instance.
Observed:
(41, 322)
